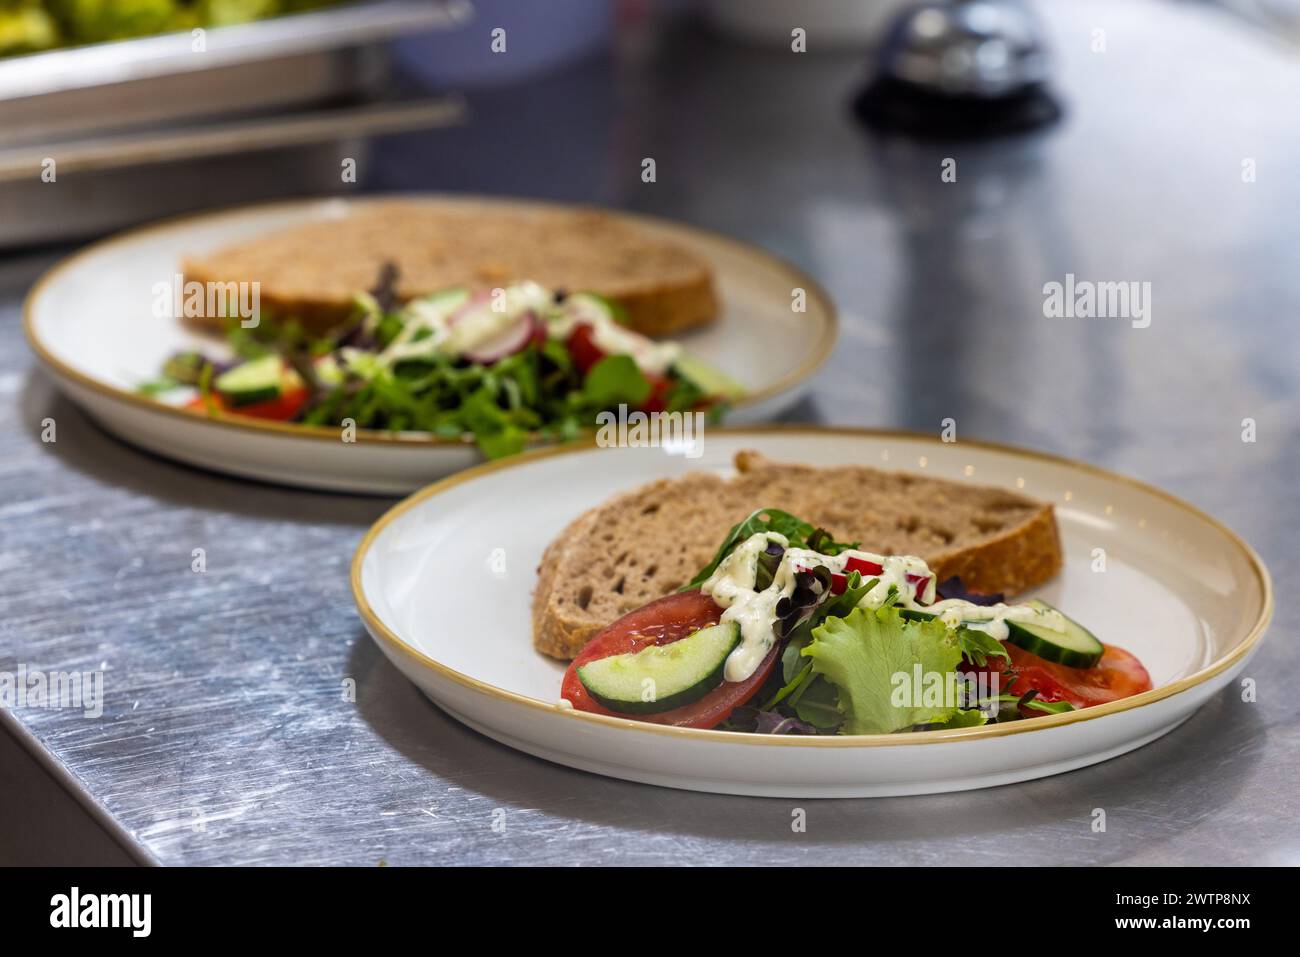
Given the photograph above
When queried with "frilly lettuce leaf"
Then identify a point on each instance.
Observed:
(862, 654)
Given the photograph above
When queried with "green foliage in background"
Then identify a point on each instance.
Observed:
(27, 26)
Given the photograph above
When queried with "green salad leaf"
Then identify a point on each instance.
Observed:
(819, 705)
(615, 380)
(964, 718)
(798, 532)
(868, 654)
(979, 646)
(537, 391)
(1011, 707)
(831, 606)
(1047, 707)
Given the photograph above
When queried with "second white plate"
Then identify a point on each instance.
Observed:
(444, 582)
(90, 322)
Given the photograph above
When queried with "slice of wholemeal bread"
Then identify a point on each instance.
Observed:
(311, 271)
(645, 543)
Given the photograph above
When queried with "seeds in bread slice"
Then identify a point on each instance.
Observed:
(645, 543)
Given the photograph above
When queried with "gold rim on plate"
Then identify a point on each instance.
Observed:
(826, 334)
(383, 634)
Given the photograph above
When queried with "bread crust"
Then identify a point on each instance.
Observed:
(670, 309)
(553, 634)
(1014, 561)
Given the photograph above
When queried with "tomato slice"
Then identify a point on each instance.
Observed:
(582, 347)
(280, 409)
(661, 622)
(657, 400)
(1117, 675)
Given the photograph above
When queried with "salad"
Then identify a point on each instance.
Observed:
(30, 25)
(787, 631)
(503, 366)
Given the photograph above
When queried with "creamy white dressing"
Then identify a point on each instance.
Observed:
(609, 335)
(993, 618)
(456, 327)
(485, 320)
(428, 314)
(895, 570)
(731, 586)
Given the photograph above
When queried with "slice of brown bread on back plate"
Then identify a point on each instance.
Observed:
(311, 271)
(645, 543)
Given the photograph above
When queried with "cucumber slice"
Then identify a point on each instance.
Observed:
(712, 382)
(254, 381)
(443, 303)
(328, 371)
(1075, 647)
(673, 675)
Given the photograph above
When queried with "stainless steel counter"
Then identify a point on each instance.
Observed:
(227, 737)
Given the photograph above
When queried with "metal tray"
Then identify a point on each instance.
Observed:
(106, 183)
(267, 65)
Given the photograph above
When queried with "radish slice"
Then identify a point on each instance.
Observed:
(474, 303)
(514, 338)
(920, 581)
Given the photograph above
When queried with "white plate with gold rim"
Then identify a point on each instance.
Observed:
(90, 322)
(443, 583)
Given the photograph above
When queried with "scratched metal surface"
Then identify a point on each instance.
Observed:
(226, 736)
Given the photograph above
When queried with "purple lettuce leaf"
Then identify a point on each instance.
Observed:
(751, 719)
(953, 588)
